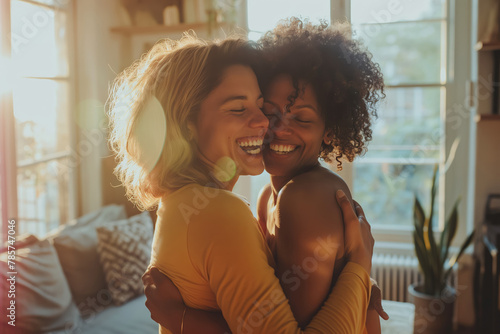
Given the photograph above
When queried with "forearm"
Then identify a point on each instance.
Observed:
(345, 309)
(180, 319)
(373, 322)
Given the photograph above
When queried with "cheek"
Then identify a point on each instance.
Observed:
(315, 139)
(207, 141)
(215, 141)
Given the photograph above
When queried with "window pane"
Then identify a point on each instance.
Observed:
(383, 11)
(42, 197)
(263, 14)
(39, 45)
(407, 117)
(41, 112)
(408, 53)
(387, 191)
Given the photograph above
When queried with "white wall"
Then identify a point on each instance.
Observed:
(97, 57)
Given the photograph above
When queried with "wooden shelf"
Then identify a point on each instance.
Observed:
(487, 117)
(487, 46)
(158, 29)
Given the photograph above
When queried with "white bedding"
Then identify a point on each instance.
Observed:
(401, 317)
(132, 317)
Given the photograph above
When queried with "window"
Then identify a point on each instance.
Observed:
(264, 15)
(408, 40)
(42, 117)
(413, 41)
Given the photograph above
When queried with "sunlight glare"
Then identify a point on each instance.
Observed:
(6, 76)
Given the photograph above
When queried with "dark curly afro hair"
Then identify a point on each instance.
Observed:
(347, 83)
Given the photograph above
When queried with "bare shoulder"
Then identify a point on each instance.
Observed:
(262, 200)
(312, 185)
(264, 194)
(308, 202)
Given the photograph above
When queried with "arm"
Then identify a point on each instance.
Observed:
(373, 322)
(167, 308)
(376, 300)
(230, 253)
(309, 244)
(157, 291)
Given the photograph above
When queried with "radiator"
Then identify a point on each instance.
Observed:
(394, 273)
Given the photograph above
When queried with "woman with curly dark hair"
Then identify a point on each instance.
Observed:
(320, 90)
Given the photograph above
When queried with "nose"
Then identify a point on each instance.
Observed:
(258, 119)
(279, 126)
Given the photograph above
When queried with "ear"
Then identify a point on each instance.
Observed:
(328, 137)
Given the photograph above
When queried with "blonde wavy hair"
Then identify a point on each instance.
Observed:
(180, 74)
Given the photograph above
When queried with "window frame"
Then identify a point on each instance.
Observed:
(9, 170)
(457, 84)
(395, 238)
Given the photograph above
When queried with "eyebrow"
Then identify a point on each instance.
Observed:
(238, 97)
(300, 106)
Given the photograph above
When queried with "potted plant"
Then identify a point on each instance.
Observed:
(434, 298)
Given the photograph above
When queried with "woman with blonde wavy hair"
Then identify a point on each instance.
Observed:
(186, 122)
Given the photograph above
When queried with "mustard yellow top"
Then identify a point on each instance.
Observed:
(209, 244)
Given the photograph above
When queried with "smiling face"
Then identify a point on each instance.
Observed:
(230, 126)
(295, 135)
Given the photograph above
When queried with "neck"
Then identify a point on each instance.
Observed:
(217, 174)
(279, 181)
(230, 185)
(226, 185)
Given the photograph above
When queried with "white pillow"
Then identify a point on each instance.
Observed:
(42, 296)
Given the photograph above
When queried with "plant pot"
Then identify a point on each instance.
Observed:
(433, 314)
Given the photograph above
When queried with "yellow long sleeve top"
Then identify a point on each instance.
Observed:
(209, 244)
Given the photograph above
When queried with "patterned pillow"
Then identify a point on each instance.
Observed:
(124, 249)
(76, 246)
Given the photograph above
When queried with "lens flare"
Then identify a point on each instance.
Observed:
(225, 169)
(148, 135)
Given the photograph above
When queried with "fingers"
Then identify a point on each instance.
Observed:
(361, 215)
(359, 209)
(382, 314)
(157, 276)
(376, 300)
(381, 311)
(346, 206)
(150, 290)
(148, 282)
(146, 278)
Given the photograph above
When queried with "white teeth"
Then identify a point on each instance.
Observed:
(282, 149)
(255, 151)
(251, 145)
(251, 142)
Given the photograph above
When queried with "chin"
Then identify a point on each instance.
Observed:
(253, 171)
(251, 166)
(281, 169)
(275, 170)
